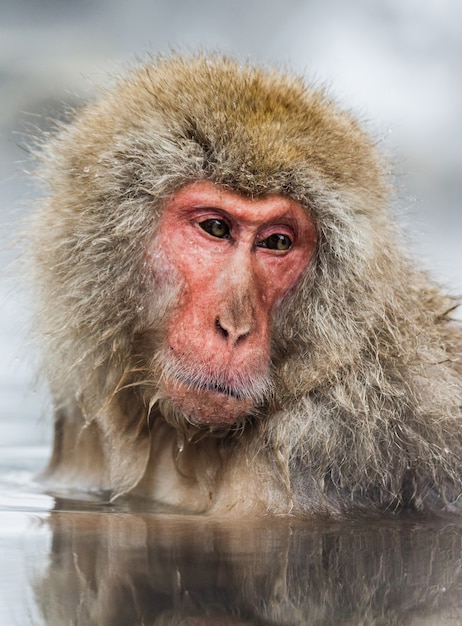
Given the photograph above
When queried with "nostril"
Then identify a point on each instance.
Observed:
(242, 335)
(220, 328)
(232, 333)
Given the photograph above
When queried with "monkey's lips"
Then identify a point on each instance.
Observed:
(208, 403)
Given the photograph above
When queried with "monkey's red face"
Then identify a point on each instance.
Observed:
(236, 259)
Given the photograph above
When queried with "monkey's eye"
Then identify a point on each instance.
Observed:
(216, 228)
(278, 242)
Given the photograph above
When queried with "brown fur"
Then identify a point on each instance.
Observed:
(365, 407)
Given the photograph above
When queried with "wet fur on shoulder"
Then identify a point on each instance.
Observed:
(365, 409)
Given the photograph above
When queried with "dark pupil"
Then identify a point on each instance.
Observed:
(216, 228)
(276, 242)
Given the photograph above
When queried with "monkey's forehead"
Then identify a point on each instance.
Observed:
(254, 130)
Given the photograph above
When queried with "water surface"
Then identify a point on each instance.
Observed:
(83, 561)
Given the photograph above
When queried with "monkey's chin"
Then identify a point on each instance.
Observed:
(207, 407)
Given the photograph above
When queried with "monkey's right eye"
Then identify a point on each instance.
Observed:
(216, 228)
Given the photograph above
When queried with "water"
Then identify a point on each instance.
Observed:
(82, 561)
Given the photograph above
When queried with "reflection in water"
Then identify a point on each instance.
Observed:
(113, 567)
(91, 564)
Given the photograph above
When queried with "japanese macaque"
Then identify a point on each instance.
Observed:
(230, 321)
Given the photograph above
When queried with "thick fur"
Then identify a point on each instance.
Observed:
(365, 410)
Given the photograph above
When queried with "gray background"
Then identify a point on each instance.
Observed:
(397, 64)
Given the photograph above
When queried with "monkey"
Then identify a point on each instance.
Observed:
(229, 320)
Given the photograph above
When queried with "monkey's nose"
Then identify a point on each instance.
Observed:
(231, 331)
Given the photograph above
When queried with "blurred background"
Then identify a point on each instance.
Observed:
(397, 65)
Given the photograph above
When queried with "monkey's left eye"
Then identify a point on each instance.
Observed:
(216, 228)
(277, 242)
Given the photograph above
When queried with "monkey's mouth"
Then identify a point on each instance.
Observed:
(213, 398)
(208, 403)
(215, 387)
